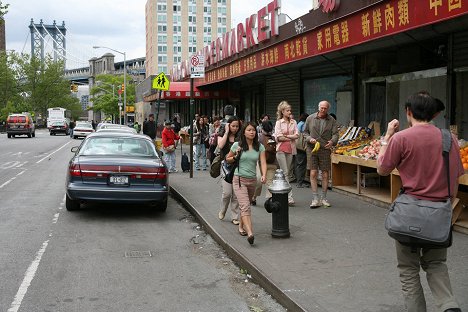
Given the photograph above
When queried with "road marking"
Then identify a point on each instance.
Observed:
(28, 277)
(47, 156)
(32, 269)
(8, 182)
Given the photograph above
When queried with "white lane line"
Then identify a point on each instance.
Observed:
(47, 156)
(31, 271)
(9, 181)
(28, 277)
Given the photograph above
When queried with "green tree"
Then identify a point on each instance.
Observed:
(44, 86)
(3, 9)
(9, 84)
(105, 94)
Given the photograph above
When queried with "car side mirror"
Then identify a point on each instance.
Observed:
(74, 149)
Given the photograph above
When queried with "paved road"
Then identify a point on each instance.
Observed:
(103, 257)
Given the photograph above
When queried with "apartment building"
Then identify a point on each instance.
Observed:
(176, 29)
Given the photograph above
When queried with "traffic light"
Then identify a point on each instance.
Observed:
(72, 87)
(75, 88)
(123, 87)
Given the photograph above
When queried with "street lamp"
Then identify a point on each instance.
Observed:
(125, 79)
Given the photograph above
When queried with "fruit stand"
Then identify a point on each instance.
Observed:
(354, 170)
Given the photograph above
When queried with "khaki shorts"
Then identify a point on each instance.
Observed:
(319, 160)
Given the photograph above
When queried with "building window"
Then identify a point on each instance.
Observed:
(162, 18)
(162, 28)
(162, 48)
(162, 8)
(162, 69)
(162, 39)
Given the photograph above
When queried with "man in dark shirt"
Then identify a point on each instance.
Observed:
(149, 127)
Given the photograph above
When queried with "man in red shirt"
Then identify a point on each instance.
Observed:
(169, 138)
(417, 154)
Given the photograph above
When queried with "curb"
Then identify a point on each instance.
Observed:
(240, 258)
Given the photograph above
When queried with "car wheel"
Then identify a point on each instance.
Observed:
(75, 137)
(9, 136)
(50, 133)
(34, 134)
(29, 135)
(71, 204)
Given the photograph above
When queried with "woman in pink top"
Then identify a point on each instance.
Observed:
(286, 134)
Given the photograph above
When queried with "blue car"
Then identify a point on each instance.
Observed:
(116, 167)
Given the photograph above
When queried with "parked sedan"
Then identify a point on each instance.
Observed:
(82, 129)
(116, 167)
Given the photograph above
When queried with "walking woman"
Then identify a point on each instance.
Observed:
(225, 142)
(200, 135)
(286, 134)
(248, 151)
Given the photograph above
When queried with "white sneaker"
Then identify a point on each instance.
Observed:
(325, 203)
(174, 170)
(315, 204)
(291, 201)
(221, 215)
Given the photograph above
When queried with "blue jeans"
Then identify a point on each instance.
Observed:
(200, 151)
(71, 133)
(170, 159)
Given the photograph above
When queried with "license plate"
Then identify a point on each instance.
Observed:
(118, 180)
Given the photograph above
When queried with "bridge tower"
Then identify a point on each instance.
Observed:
(40, 31)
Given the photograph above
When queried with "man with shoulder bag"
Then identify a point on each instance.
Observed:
(428, 184)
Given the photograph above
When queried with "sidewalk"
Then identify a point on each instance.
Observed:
(338, 259)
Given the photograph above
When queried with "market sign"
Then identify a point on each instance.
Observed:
(329, 5)
(258, 27)
(379, 21)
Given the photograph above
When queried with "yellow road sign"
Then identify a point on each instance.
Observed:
(161, 82)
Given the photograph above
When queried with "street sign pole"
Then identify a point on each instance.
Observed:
(192, 117)
(157, 112)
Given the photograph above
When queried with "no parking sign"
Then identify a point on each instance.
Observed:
(197, 66)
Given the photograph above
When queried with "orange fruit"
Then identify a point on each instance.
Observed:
(465, 166)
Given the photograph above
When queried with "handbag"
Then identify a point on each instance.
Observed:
(169, 149)
(215, 167)
(423, 223)
(301, 143)
(227, 169)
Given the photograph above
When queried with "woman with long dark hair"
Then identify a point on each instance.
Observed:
(200, 134)
(248, 151)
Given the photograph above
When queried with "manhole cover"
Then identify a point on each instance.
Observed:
(138, 254)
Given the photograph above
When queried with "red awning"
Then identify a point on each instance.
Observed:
(181, 91)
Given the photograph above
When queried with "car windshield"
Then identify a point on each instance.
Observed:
(118, 146)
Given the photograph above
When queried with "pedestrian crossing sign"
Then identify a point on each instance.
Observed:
(161, 82)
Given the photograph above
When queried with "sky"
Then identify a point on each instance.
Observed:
(117, 24)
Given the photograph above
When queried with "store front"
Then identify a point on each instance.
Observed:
(365, 58)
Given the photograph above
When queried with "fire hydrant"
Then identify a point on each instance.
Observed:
(277, 205)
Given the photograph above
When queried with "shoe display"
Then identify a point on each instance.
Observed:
(325, 203)
(221, 215)
(315, 204)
